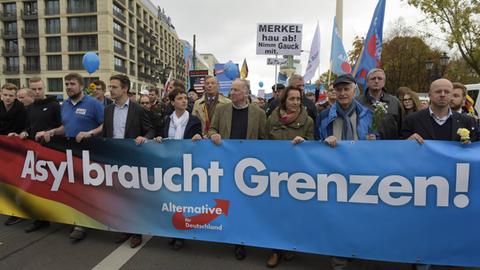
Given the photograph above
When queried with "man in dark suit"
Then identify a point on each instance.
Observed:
(125, 119)
(438, 122)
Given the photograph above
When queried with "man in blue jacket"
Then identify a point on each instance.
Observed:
(347, 119)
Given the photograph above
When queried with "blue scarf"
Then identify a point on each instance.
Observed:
(345, 114)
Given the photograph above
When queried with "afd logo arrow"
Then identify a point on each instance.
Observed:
(180, 221)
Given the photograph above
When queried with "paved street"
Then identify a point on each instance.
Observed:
(51, 249)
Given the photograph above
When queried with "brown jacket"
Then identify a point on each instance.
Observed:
(200, 111)
(222, 122)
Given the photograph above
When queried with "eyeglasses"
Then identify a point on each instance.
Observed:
(407, 99)
(144, 103)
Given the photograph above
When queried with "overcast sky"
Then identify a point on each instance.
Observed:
(227, 29)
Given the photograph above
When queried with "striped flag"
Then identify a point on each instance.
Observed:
(244, 70)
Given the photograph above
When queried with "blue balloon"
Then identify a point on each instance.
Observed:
(231, 70)
(91, 62)
(260, 84)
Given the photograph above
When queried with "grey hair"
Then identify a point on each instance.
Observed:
(246, 83)
(376, 70)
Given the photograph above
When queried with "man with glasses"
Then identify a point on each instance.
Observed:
(391, 124)
(156, 119)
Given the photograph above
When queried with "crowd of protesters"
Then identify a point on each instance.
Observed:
(291, 114)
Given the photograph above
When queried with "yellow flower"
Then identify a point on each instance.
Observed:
(463, 132)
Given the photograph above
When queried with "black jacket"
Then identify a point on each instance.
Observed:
(137, 124)
(43, 115)
(194, 126)
(391, 124)
(13, 120)
(421, 123)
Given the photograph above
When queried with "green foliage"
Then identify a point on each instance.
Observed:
(460, 21)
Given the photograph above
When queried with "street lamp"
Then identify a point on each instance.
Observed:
(437, 70)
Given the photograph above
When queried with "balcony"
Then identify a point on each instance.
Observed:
(9, 34)
(86, 9)
(132, 72)
(132, 38)
(11, 69)
(8, 16)
(120, 69)
(131, 23)
(120, 16)
(132, 56)
(120, 34)
(31, 51)
(120, 51)
(52, 11)
(31, 69)
(10, 51)
(29, 33)
(29, 15)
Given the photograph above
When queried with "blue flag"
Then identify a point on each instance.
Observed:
(372, 47)
(338, 57)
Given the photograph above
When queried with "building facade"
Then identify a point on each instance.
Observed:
(48, 38)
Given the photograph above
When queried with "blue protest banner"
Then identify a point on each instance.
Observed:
(382, 200)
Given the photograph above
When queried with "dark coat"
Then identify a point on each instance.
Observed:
(13, 120)
(194, 126)
(421, 123)
(137, 124)
(391, 125)
(43, 115)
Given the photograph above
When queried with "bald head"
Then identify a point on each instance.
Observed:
(440, 93)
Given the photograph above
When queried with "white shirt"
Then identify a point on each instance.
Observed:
(440, 120)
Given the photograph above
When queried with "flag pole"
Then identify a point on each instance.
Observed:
(276, 73)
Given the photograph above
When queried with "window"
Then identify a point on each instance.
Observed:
(119, 45)
(14, 81)
(118, 62)
(82, 24)
(11, 45)
(54, 44)
(31, 26)
(81, 6)
(30, 8)
(33, 62)
(117, 26)
(9, 9)
(52, 26)
(31, 44)
(55, 84)
(54, 62)
(12, 62)
(52, 7)
(83, 43)
(117, 9)
(10, 27)
(75, 61)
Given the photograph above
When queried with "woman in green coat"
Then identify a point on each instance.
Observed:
(289, 121)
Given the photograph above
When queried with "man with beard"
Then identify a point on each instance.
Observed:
(82, 117)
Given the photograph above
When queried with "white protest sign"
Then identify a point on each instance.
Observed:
(281, 39)
(276, 61)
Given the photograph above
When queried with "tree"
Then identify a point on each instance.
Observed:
(403, 59)
(459, 71)
(354, 54)
(458, 19)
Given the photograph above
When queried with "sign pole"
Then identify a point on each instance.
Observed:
(276, 73)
